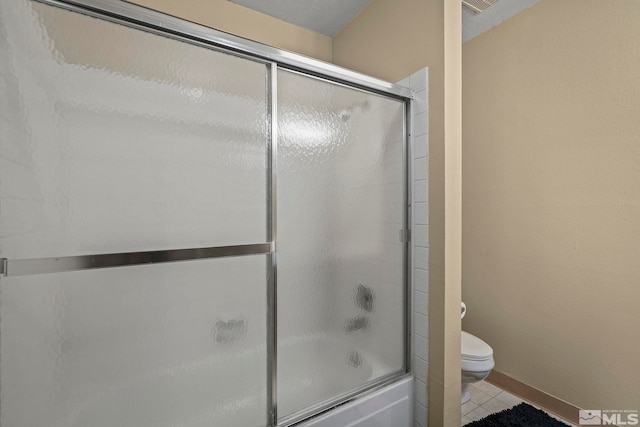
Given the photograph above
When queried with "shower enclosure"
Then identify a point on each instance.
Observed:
(195, 229)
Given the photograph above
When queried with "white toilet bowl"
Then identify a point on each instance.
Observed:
(477, 362)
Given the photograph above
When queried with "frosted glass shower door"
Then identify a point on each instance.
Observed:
(341, 191)
(119, 141)
(156, 144)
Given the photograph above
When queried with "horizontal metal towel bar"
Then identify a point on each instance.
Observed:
(26, 267)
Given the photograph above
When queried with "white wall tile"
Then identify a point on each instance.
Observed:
(406, 82)
(421, 325)
(419, 80)
(420, 168)
(421, 346)
(421, 302)
(420, 213)
(421, 236)
(420, 242)
(420, 391)
(420, 102)
(420, 191)
(420, 124)
(421, 258)
(420, 146)
(420, 280)
(419, 414)
(420, 369)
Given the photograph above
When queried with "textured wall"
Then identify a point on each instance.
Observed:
(389, 39)
(552, 198)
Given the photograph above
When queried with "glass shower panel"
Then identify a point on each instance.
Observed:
(113, 139)
(340, 257)
(165, 345)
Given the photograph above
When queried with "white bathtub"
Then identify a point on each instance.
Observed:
(390, 406)
(225, 390)
(336, 374)
(228, 390)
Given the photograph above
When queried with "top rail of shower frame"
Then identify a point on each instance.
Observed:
(130, 14)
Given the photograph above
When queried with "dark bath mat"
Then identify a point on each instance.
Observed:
(522, 415)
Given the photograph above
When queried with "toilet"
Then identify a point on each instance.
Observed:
(477, 360)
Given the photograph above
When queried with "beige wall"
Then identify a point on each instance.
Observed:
(391, 40)
(231, 18)
(551, 199)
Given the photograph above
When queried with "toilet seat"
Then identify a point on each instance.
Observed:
(473, 348)
(477, 355)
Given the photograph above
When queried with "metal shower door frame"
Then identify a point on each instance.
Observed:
(138, 17)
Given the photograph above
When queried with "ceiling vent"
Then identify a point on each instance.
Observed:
(478, 5)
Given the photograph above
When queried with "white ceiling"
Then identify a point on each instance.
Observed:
(326, 17)
(474, 24)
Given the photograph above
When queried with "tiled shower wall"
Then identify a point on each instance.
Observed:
(420, 242)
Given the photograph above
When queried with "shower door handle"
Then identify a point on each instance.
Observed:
(26, 267)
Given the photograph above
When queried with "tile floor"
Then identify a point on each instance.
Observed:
(487, 399)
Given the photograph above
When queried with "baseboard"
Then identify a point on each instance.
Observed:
(539, 398)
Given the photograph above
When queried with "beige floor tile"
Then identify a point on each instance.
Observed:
(509, 398)
(490, 389)
(477, 414)
(478, 396)
(495, 405)
(487, 399)
(468, 407)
